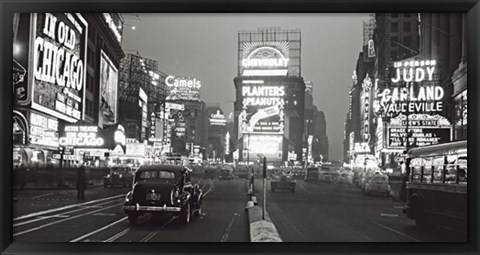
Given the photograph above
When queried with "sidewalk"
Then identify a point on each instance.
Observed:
(29, 201)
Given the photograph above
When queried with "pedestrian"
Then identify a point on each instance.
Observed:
(81, 182)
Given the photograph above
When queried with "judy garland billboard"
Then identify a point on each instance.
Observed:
(59, 64)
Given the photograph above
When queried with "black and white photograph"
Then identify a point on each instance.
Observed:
(240, 127)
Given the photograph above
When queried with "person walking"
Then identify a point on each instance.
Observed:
(81, 182)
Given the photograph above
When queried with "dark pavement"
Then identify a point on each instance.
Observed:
(101, 218)
(328, 212)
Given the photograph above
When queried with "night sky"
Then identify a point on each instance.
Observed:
(205, 46)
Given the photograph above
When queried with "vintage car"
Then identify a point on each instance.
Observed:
(161, 189)
(118, 176)
(377, 183)
(226, 174)
(282, 179)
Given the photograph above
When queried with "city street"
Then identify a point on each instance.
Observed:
(328, 212)
(223, 218)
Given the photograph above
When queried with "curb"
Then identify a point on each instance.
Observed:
(260, 230)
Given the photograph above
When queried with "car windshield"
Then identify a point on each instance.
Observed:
(157, 174)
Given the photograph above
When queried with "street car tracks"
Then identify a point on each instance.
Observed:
(121, 234)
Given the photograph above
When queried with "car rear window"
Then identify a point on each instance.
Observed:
(157, 174)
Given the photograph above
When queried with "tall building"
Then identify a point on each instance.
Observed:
(269, 106)
(217, 132)
(137, 90)
(315, 138)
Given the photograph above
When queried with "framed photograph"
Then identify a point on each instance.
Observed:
(242, 127)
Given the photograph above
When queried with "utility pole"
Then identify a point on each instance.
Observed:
(264, 187)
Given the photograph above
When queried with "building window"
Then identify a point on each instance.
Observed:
(394, 28)
(407, 15)
(407, 26)
(394, 15)
(393, 41)
(460, 117)
(407, 40)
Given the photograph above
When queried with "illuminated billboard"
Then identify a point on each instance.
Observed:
(183, 88)
(269, 146)
(262, 109)
(59, 67)
(414, 90)
(107, 112)
(81, 136)
(425, 130)
(265, 58)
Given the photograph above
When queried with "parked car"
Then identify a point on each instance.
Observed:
(282, 179)
(377, 183)
(312, 174)
(161, 189)
(226, 174)
(118, 176)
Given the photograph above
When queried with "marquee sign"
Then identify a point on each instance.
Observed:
(425, 130)
(81, 136)
(59, 66)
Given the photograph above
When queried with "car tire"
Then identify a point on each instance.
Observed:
(133, 219)
(105, 185)
(185, 215)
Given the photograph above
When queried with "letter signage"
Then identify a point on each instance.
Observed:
(59, 65)
(183, 88)
(81, 136)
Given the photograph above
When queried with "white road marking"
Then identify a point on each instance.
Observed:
(301, 186)
(228, 229)
(96, 231)
(46, 217)
(104, 214)
(44, 195)
(115, 237)
(388, 215)
(53, 216)
(65, 207)
(60, 221)
(397, 232)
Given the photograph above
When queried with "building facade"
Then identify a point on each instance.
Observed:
(65, 80)
(269, 107)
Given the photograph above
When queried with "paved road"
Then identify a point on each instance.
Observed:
(321, 212)
(102, 220)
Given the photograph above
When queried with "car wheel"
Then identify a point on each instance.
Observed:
(185, 216)
(133, 219)
(105, 185)
(198, 212)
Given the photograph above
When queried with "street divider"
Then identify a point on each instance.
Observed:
(261, 229)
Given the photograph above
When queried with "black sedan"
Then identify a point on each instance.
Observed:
(160, 189)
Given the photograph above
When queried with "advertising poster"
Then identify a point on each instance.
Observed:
(59, 66)
(108, 92)
(262, 109)
(183, 88)
(269, 146)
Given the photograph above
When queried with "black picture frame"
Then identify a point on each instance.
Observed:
(8, 7)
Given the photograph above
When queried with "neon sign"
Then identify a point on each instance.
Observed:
(81, 136)
(173, 81)
(414, 70)
(263, 95)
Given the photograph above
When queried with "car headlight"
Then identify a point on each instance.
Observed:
(108, 175)
(120, 176)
